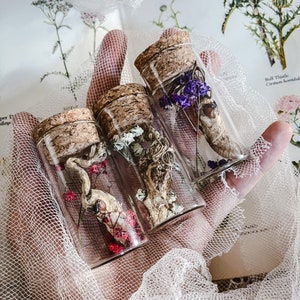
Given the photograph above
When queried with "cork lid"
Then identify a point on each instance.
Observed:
(65, 117)
(177, 38)
(117, 92)
(122, 108)
(166, 59)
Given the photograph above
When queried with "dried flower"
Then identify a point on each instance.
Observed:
(215, 164)
(94, 22)
(94, 169)
(188, 90)
(99, 168)
(53, 5)
(69, 196)
(91, 20)
(131, 219)
(141, 194)
(55, 11)
(119, 233)
(287, 106)
(115, 248)
(103, 164)
(125, 139)
(183, 101)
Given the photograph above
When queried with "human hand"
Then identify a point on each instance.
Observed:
(34, 218)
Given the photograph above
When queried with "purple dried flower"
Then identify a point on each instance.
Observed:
(212, 164)
(187, 91)
(203, 89)
(184, 78)
(165, 102)
(192, 88)
(182, 100)
(223, 162)
(196, 88)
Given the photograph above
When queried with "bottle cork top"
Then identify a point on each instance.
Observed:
(165, 59)
(177, 38)
(65, 117)
(122, 108)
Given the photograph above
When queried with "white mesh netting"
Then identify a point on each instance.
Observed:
(38, 260)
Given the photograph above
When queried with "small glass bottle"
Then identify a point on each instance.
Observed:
(193, 112)
(145, 153)
(98, 212)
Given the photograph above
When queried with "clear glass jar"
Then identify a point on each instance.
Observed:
(146, 156)
(192, 111)
(99, 215)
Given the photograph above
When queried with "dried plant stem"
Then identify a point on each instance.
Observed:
(63, 56)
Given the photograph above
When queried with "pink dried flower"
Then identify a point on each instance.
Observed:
(287, 106)
(99, 168)
(131, 219)
(119, 233)
(115, 248)
(103, 164)
(69, 196)
(94, 169)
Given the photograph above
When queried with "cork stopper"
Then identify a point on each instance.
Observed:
(65, 134)
(165, 59)
(122, 108)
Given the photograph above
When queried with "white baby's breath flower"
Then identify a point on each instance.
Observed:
(137, 131)
(128, 138)
(118, 143)
(140, 194)
(171, 197)
(137, 149)
(177, 209)
(170, 214)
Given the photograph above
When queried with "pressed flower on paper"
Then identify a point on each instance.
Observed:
(288, 110)
(173, 16)
(55, 12)
(95, 23)
(271, 23)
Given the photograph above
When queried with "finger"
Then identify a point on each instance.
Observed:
(169, 32)
(24, 151)
(29, 186)
(278, 135)
(108, 66)
(34, 225)
(211, 60)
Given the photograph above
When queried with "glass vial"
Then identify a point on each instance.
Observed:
(193, 112)
(102, 221)
(147, 157)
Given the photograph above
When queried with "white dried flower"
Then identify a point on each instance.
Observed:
(137, 149)
(140, 194)
(172, 197)
(177, 209)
